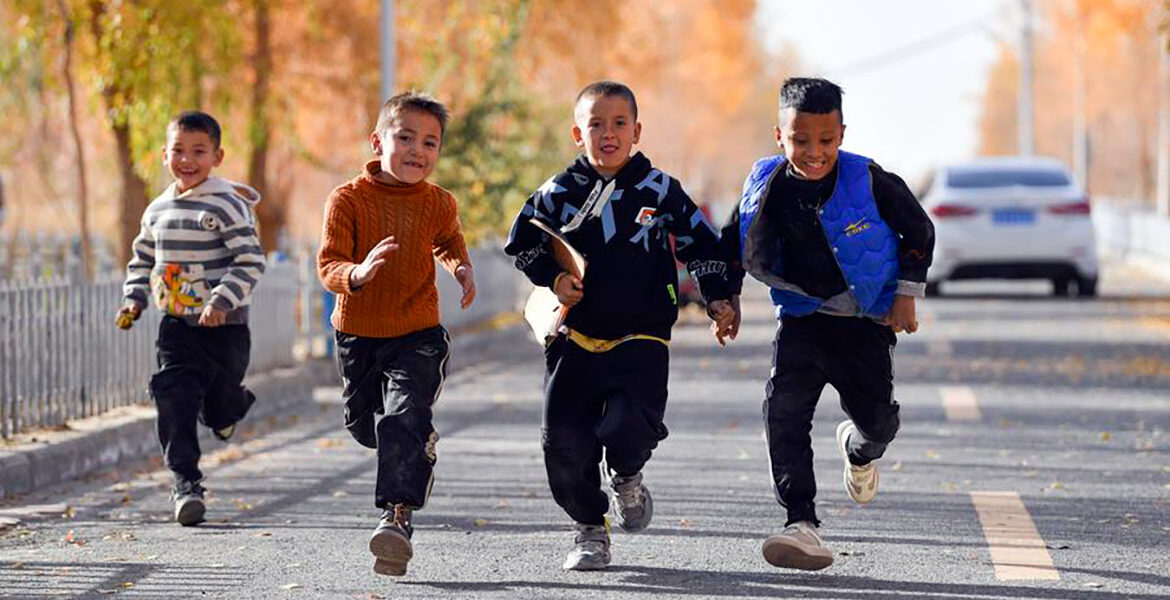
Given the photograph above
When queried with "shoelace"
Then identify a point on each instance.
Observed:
(631, 496)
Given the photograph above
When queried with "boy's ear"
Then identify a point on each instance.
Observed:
(376, 143)
(578, 139)
(779, 135)
(218, 156)
(637, 131)
(842, 138)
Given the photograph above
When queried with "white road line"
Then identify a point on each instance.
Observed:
(960, 403)
(1017, 550)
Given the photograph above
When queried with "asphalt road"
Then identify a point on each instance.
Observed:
(1005, 392)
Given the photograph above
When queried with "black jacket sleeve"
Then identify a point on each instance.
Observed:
(904, 214)
(529, 245)
(732, 253)
(696, 243)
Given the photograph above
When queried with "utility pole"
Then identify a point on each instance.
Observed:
(1027, 145)
(389, 50)
(1080, 143)
(1162, 201)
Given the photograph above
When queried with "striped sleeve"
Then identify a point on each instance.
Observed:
(247, 262)
(136, 289)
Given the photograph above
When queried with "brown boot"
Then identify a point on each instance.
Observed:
(390, 543)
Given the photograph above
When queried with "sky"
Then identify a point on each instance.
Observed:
(913, 71)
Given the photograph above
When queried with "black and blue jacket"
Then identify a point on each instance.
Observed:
(869, 255)
(631, 283)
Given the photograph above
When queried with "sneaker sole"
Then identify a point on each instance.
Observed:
(781, 554)
(845, 474)
(191, 514)
(585, 566)
(391, 552)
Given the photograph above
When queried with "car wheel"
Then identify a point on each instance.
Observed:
(932, 288)
(1061, 286)
(1086, 287)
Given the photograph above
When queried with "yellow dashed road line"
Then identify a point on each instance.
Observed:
(960, 403)
(1017, 550)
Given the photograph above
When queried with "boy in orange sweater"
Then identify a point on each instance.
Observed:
(382, 232)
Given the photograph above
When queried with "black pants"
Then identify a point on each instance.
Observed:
(611, 400)
(855, 356)
(391, 385)
(199, 379)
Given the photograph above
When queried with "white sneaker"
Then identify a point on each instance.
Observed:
(632, 501)
(798, 547)
(590, 548)
(860, 482)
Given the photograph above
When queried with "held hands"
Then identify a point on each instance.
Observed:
(212, 316)
(365, 271)
(725, 316)
(569, 289)
(901, 317)
(465, 275)
(127, 315)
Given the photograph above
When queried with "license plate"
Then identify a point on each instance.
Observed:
(1013, 216)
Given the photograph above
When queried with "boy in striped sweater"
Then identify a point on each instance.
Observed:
(197, 257)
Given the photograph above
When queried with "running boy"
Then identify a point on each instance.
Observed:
(606, 374)
(383, 231)
(844, 247)
(197, 256)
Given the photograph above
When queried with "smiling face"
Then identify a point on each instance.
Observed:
(606, 130)
(810, 141)
(409, 146)
(189, 156)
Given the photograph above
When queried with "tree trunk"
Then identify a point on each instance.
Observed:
(133, 193)
(271, 212)
(82, 183)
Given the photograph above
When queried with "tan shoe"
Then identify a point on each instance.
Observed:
(390, 543)
(798, 547)
(590, 548)
(860, 482)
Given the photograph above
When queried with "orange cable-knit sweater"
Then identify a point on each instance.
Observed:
(401, 298)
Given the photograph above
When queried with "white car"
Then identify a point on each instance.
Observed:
(1011, 218)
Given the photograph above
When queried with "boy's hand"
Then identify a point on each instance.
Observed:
(726, 317)
(127, 315)
(569, 289)
(212, 316)
(364, 272)
(466, 278)
(901, 317)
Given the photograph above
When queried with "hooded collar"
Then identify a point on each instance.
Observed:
(635, 168)
(216, 185)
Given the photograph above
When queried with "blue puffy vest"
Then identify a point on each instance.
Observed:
(865, 247)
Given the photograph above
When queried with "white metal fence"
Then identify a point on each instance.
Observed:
(61, 356)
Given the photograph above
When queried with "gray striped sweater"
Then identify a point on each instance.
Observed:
(196, 248)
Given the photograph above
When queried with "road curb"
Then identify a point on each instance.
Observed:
(129, 433)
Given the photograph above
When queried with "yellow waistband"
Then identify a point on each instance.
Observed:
(596, 345)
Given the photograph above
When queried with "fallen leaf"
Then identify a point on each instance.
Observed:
(1056, 485)
(127, 584)
(684, 523)
(264, 534)
(1094, 584)
(481, 522)
(340, 494)
(896, 466)
(1106, 436)
(931, 454)
(290, 586)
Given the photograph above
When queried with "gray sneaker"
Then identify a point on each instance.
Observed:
(632, 501)
(188, 499)
(591, 550)
(390, 543)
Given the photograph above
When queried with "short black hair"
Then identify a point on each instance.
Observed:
(412, 100)
(811, 95)
(193, 120)
(600, 89)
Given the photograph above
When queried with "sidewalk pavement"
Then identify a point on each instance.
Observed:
(43, 458)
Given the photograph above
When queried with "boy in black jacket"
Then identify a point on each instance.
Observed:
(606, 373)
(844, 247)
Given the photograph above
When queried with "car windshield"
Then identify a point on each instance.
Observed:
(977, 177)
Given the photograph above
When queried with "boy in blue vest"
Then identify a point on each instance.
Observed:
(844, 247)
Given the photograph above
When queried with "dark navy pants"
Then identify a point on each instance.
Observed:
(855, 356)
(610, 401)
(391, 385)
(200, 379)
